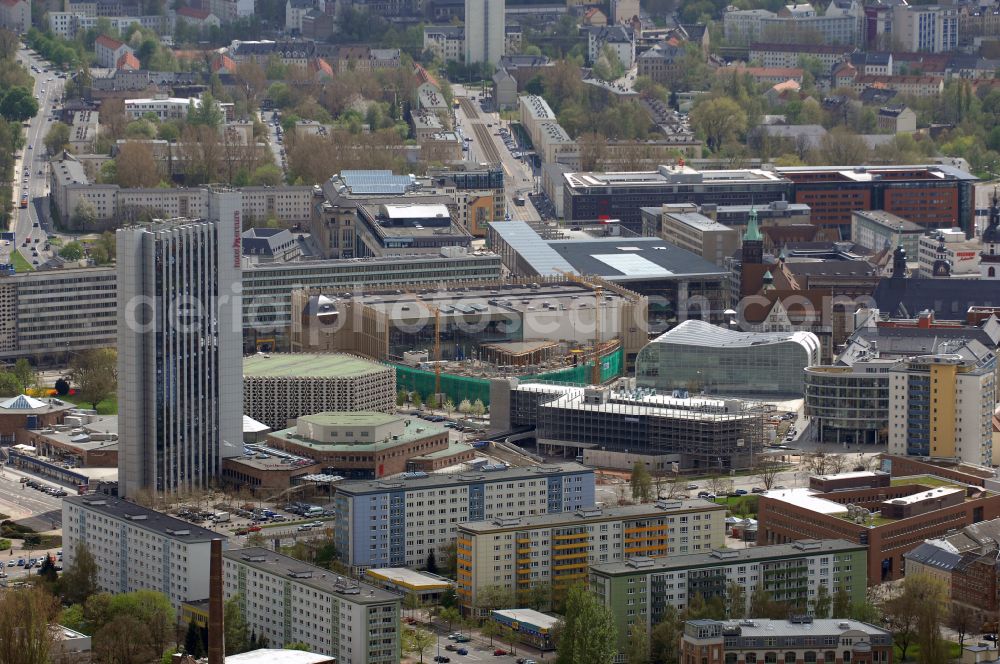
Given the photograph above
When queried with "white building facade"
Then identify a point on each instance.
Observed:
(136, 548)
(398, 522)
(485, 31)
(180, 349)
(288, 601)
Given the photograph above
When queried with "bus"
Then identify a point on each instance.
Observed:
(455, 103)
(24, 201)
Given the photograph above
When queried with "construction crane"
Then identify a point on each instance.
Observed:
(595, 378)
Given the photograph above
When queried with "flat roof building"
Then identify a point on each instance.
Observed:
(639, 590)
(280, 387)
(928, 194)
(684, 283)
(403, 504)
(878, 230)
(367, 445)
(386, 324)
(802, 639)
(590, 195)
(872, 517)
(608, 425)
(392, 229)
(944, 404)
(699, 357)
(555, 550)
(138, 548)
(426, 586)
(355, 622)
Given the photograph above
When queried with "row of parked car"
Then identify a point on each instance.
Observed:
(44, 488)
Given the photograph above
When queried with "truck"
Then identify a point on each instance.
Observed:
(480, 444)
(221, 517)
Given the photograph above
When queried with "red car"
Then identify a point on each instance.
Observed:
(499, 651)
(253, 529)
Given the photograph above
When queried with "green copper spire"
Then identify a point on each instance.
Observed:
(753, 233)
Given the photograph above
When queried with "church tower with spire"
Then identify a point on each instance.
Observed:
(989, 257)
(753, 241)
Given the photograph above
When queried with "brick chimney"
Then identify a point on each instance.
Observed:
(216, 626)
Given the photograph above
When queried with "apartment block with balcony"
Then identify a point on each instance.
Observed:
(556, 550)
(640, 590)
(399, 521)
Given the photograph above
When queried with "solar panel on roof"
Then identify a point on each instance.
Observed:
(375, 182)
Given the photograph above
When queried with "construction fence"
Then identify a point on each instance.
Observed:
(458, 388)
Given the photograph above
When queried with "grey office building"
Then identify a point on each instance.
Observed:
(179, 349)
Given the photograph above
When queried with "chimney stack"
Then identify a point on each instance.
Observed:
(216, 627)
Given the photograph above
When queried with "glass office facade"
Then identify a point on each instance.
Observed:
(849, 405)
(699, 357)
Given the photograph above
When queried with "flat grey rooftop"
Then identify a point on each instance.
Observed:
(315, 577)
(144, 517)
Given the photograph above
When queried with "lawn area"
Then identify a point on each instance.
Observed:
(107, 407)
(748, 501)
(21, 263)
(913, 652)
(926, 480)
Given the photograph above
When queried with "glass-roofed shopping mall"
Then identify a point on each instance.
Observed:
(700, 357)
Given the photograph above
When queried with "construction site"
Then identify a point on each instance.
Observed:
(613, 426)
(452, 340)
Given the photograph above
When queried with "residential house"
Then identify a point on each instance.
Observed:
(896, 119)
(109, 51)
(15, 15)
(619, 39)
(662, 63)
(295, 10)
(594, 18)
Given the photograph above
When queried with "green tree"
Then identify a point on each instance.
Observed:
(401, 397)
(478, 408)
(269, 175)
(432, 566)
(79, 577)
(736, 601)
(18, 104)
(432, 402)
(297, 645)
(822, 603)
(589, 634)
(206, 112)
(104, 249)
(192, 641)
(84, 215)
(417, 641)
(719, 120)
(450, 616)
(71, 251)
(236, 637)
(841, 603)
(57, 138)
(491, 630)
(95, 373)
(416, 400)
(637, 647)
(25, 615)
(664, 640)
(25, 374)
(642, 483)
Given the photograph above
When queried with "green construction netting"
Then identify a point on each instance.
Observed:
(458, 388)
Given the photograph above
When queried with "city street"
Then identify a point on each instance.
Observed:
(487, 146)
(28, 224)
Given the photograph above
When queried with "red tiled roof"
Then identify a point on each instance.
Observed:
(224, 62)
(770, 72)
(321, 66)
(128, 61)
(110, 43)
(11, 3)
(191, 12)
